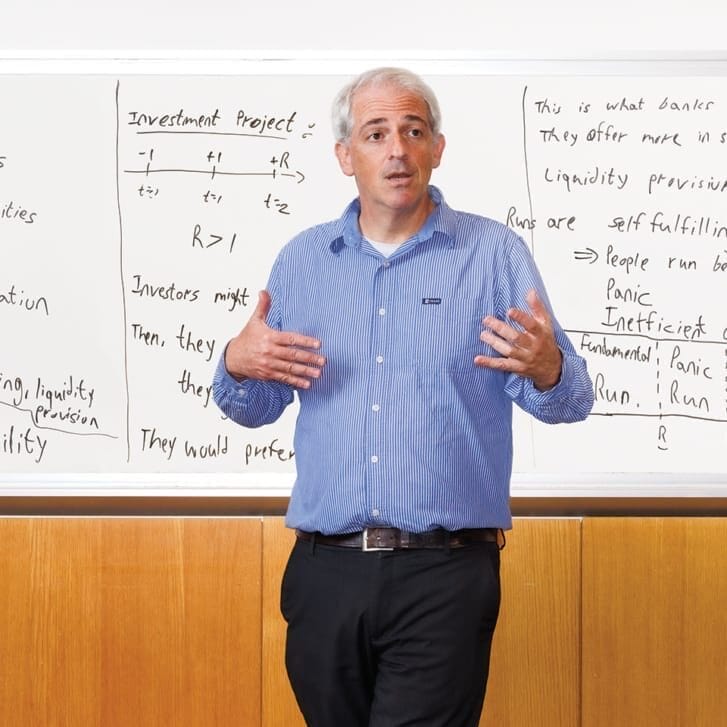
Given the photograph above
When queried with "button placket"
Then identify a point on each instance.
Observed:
(379, 315)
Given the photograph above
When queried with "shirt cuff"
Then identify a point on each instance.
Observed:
(233, 386)
(559, 389)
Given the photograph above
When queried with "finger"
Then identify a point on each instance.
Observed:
(518, 355)
(529, 323)
(537, 306)
(500, 328)
(298, 375)
(498, 363)
(499, 344)
(292, 339)
(288, 355)
(308, 357)
(291, 346)
(296, 382)
(273, 368)
(283, 359)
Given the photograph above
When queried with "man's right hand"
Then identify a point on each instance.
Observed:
(261, 352)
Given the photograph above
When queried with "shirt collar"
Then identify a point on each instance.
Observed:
(440, 223)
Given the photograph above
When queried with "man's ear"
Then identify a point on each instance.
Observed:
(343, 155)
(439, 144)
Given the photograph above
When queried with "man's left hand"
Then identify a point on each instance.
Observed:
(531, 352)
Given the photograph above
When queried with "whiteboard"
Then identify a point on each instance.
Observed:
(140, 213)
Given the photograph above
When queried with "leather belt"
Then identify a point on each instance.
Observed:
(372, 539)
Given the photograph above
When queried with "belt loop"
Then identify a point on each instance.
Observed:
(501, 540)
(447, 538)
(313, 543)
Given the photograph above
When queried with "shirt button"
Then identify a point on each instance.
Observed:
(382, 311)
(375, 407)
(379, 359)
(375, 512)
(374, 459)
(242, 392)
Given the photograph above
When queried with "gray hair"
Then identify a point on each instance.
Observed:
(341, 111)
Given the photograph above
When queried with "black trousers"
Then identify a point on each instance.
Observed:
(390, 638)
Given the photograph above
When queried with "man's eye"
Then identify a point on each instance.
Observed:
(416, 132)
(376, 136)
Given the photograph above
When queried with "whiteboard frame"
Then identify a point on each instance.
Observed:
(244, 485)
(275, 61)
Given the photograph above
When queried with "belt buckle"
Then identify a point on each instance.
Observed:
(365, 543)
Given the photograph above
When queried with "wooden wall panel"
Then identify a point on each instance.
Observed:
(175, 621)
(118, 622)
(654, 622)
(50, 622)
(534, 669)
(279, 708)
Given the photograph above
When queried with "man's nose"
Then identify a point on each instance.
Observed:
(397, 150)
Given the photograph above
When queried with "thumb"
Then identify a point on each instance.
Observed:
(263, 306)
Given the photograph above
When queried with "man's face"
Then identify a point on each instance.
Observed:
(392, 151)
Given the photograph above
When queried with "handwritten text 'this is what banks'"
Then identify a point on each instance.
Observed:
(626, 107)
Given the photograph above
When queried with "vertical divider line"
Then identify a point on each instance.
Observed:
(527, 169)
(531, 423)
(123, 286)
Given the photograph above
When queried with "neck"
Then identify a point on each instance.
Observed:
(393, 226)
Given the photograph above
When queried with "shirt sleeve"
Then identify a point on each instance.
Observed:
(571, 399)
(251, 402)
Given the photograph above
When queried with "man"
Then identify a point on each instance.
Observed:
(407, 329)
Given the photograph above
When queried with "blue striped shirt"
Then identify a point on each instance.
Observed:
(402, 429)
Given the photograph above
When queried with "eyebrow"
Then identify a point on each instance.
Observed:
(384, 120)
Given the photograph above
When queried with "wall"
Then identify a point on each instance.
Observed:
(528, 27)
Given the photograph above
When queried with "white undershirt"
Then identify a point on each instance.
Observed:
(385, 248)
